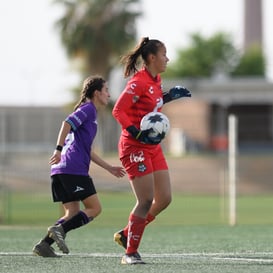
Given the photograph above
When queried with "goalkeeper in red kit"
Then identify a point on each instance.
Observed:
(140, 154)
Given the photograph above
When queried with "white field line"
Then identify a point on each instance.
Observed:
(257, 257)
(241, 259)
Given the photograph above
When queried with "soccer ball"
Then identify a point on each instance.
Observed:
(158, 122)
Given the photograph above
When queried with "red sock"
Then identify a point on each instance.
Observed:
(136, 229)
(149, 219)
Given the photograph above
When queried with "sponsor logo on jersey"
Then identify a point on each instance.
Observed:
(77, 119)
(135, 99)
(159, 104)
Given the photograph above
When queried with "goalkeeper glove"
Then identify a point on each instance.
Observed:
(143, 136)
(176, 93)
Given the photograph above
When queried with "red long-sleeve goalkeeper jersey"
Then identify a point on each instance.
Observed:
(142, 94)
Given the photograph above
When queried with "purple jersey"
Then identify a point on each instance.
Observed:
(76, 153)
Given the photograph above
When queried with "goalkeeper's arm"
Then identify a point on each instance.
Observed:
(176, 93)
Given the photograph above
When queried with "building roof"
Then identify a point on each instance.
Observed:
(227, 91)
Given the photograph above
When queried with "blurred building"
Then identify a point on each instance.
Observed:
(35, 129)
(253, 23)
(203, 119)
(29, 128)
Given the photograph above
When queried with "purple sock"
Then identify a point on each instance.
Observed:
(76, 221)
(59, 222)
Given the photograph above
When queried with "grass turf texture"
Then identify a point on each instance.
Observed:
(190, 236)
(173, 249)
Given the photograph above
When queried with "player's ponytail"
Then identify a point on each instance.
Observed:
(90, 85)
(143, 49)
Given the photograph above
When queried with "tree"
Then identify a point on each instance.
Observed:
(204, 57)
(217, 54)
(96, 32)
(252, 63)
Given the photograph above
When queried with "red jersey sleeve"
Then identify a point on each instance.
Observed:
(123, 110)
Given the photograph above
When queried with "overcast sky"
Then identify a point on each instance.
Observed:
(35, 71)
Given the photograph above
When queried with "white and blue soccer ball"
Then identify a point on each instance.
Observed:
(158, 122)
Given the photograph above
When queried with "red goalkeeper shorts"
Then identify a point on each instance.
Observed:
(140, 160)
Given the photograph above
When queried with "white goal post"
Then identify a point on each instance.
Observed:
(232, 156)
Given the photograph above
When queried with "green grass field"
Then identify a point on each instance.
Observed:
(192, 235)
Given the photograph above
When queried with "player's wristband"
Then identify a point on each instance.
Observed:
(59, 148)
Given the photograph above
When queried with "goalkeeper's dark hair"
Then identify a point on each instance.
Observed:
(90, 85)
(143, 50)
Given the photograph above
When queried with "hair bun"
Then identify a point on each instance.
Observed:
(145, 41)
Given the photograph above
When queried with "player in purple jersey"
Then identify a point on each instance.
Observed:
(70, 181)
